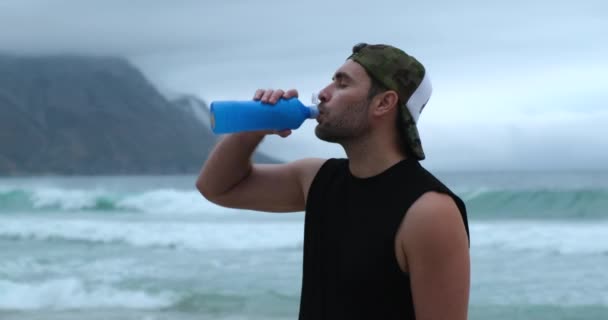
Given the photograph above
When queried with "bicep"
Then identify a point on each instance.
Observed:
(273, 187)
(436, 247)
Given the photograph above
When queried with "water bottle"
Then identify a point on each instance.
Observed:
(252, 115)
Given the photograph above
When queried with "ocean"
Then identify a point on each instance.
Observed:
(151, 248)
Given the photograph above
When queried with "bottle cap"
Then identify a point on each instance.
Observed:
(314, 109)
(313, 112)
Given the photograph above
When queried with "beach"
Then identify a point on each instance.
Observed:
(151, 247)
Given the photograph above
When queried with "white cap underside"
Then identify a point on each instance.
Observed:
(420, 97)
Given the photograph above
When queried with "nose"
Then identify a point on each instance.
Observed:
(324, 95)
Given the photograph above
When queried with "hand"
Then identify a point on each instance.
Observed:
(271, 97)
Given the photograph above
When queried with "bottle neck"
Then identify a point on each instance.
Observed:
(313, 112)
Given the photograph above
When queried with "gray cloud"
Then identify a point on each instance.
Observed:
(518, 84)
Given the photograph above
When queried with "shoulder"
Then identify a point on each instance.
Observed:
(317, 172)
(311, 166)
(308, 168)
(433, 205)
(434, 223)
(435, 247)
(436, 197)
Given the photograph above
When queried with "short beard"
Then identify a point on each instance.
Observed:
(348, 128)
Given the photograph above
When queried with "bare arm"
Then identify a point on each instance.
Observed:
(228, 177)
(436, 248)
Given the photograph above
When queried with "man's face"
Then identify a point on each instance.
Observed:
(343, 111)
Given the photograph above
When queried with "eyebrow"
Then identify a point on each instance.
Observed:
(342, 76)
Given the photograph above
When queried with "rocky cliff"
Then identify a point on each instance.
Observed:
(95, 115)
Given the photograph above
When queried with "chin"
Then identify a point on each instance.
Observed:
(326, 136)
(320, 134)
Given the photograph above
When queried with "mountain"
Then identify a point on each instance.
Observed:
(74, 115)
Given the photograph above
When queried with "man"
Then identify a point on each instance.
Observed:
(383, 239)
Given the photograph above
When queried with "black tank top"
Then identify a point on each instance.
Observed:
(350, 270)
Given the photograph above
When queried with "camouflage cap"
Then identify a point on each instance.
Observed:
(400, 72)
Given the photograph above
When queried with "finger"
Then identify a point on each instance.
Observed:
(290, 93)
(266, 95)
(283, 133)
(265, 132)
(258, 94)
(276, 96)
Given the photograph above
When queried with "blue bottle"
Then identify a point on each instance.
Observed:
(240, 116)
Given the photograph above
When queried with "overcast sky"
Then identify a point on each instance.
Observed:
(517, 84)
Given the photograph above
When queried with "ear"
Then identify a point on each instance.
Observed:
(385, 103)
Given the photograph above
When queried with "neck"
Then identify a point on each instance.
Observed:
(369, 157)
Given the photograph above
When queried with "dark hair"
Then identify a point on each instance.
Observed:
(376, 88)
